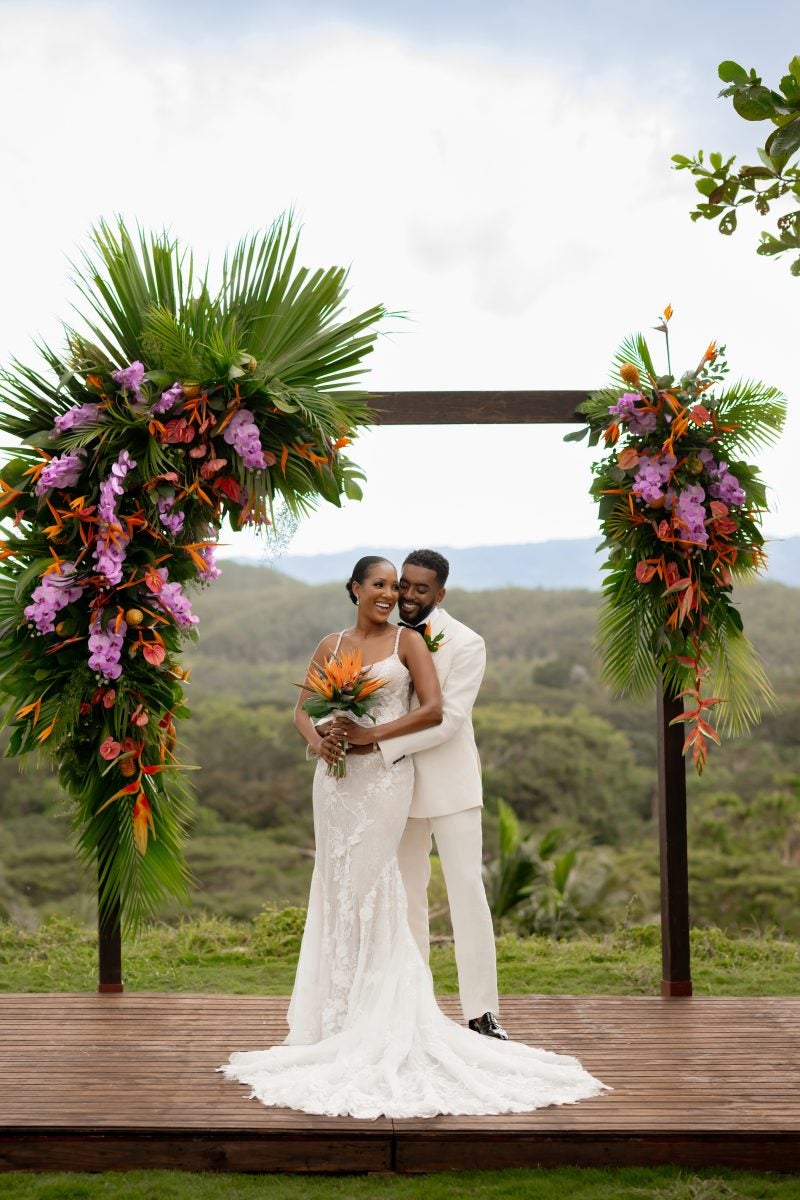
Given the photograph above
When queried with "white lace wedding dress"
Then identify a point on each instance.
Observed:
(367, 1038)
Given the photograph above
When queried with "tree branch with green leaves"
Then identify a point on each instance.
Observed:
(726, 188)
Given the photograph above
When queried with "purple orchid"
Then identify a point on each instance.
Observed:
(105, 646)
(209, 555)
(725, 486)
(652, 476)
(168, 399)
(109, 550)
(79, 414)
(242, 433)
(130, 378)
(690, 510)
(171, 521)
(61, 472)
(172, 600)
(626, 408)
(55, 592)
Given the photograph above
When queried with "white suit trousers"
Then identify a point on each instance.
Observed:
(459, 842)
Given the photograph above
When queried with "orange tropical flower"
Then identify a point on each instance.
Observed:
(142, 820)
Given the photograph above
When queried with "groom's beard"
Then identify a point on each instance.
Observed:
(419, 616)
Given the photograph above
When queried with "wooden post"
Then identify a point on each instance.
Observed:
(109, 943)
(676, 977)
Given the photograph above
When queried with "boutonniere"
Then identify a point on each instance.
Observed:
(433, 643)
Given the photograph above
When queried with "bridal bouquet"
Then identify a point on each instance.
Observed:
(680, 512)
(341, 685)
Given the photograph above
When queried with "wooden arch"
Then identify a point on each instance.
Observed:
(541, 408)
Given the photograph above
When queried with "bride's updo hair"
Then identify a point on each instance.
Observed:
(360, 572)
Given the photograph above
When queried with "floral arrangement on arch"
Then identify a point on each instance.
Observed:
(680, 512)
(172, 410)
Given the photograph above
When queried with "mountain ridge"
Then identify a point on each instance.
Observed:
(557, 564)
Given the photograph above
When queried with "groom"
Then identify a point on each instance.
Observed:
(447, 793)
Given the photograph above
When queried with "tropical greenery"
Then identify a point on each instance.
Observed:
(726, 188)
(173, 408)
(680, 513)
(555, 745)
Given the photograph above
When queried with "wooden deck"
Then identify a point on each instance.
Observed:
(121, 1082)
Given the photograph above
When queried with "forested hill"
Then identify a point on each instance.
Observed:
(576, 765)
(568, 563)
(254, 617)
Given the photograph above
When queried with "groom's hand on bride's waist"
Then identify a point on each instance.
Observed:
(370, 749)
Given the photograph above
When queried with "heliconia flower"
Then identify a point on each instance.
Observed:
(61, 472)
(56, 590)
(130, 378)
(168, 399)
(79, 414)
(242, 433)
(142, 820)
(110, 749)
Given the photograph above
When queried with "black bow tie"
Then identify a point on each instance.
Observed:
(419, 628)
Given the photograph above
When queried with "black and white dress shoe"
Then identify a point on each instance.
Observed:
(489, 1026)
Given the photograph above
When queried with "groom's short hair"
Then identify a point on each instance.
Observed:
(431, 560)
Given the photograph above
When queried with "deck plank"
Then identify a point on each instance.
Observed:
(125, 1081)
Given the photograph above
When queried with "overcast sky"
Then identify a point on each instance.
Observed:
(500, 172)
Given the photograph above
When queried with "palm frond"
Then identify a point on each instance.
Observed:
(757, 411)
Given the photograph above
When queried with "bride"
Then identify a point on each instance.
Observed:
(366, 1036)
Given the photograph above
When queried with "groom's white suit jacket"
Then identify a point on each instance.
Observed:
(447, 769)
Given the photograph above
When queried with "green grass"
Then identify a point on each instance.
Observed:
(567, 1183)
(212, 954)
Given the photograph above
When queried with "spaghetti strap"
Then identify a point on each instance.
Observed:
(397, 640)
(339, 642)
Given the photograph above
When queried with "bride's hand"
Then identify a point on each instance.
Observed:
(330, 750)
(356, 735)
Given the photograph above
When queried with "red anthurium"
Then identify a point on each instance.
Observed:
(110, 749)
(229, 487)
(155, 654)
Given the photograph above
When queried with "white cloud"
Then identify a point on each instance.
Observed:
(525, 219)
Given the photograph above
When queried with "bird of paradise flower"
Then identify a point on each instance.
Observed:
(341, 685)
